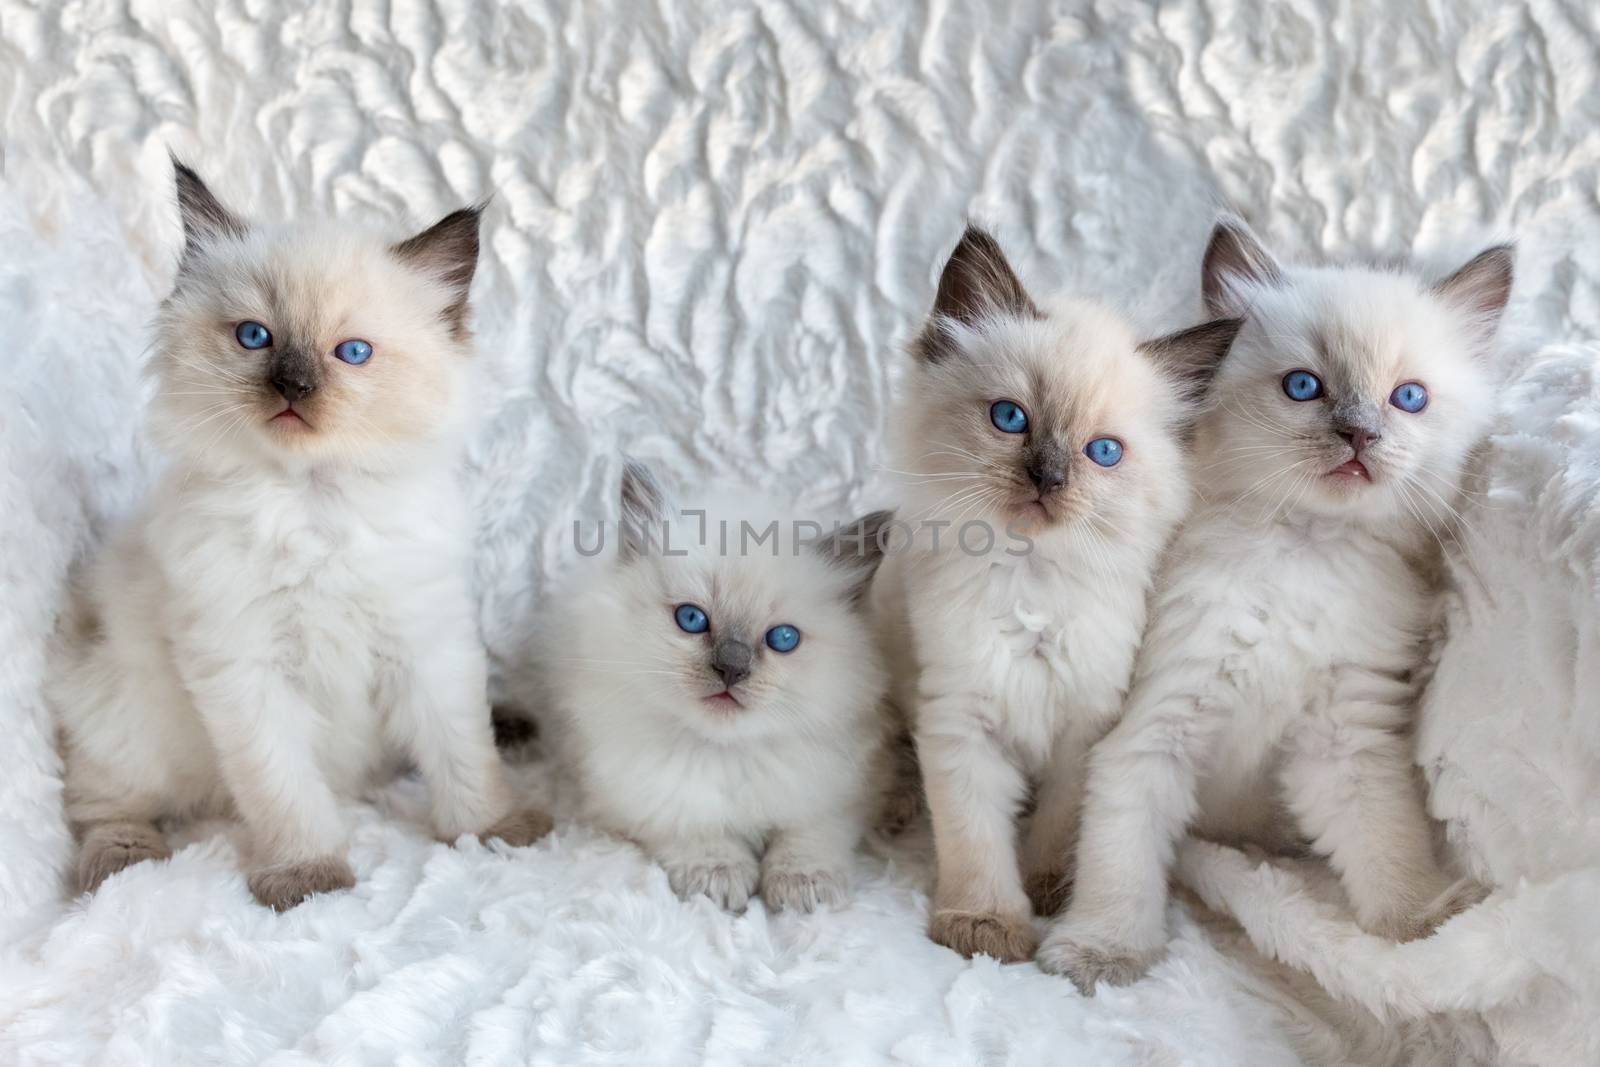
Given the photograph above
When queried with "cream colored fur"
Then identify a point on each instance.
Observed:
(1274, 695)
(772, 794)
(288, 616)
(1012, 662)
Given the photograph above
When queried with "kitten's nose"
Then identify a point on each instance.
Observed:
(1358, 436)
(292, 386)
(1047, 478)
(731, 660)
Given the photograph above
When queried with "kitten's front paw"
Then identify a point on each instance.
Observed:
(111, 847)
(1048, 889)
(520, 828)
(1413, 925)
(1089, 964)
(283, 886)
(1007, 938)
(729, 884)
(791, 890)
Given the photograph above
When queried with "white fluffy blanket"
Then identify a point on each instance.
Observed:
(713, 224)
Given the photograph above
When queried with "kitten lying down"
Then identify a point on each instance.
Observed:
(288, 617)
(720, 707)
(1273, 696)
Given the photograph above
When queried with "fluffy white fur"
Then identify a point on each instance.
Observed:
(731, 778)
(1012, 662)
(1274, 694)
(727, 272)
(1513, 794)
(288, 617)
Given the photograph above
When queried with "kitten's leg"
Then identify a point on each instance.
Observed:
(1353, 788)
(718, 866)
(1139, 797)
(439, 712)
(1048, 847)
(901, 802)
(263, 731)
(974, 792)
(809, 866)
(110, 846)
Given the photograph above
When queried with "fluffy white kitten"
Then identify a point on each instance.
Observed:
(1060, 433)
(720, 707)
(289, 615)
(1273, 696)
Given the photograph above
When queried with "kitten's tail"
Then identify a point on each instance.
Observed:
(1478, 960)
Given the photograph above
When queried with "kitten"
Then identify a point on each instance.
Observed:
(289, 614)
(717, 698)
(1273, 695)
(1057, 431)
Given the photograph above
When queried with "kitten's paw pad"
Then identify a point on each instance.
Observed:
(1090, 965)
(788, 890)
(520, 828)
(1007, 938)
(1413, 925)
(283, 886)
(730, 885)
(110, 848)
(1048, 890)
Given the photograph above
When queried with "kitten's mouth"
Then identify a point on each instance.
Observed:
(724, 701)
(1352, 469)
(290, 418)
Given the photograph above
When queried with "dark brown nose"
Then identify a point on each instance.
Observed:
(1046, 466)
(292, 387)
(1358, 436)
(1047, 480)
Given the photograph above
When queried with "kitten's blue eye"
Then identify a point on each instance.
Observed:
(691, 620)
(1410, 396)
(251, 334)
(783, 638)
(1008, 417)
(1301, 385)
(1106, 451)
(357, 352)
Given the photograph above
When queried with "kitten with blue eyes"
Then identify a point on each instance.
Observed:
(288, 618)
(1043, 465)
(717, 700)
(1272, 700)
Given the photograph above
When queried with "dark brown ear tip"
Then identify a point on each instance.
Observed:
(976, 236)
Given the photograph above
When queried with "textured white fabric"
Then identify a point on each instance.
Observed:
(712, 226)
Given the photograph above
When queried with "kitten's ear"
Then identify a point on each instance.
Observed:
(202, 214)
(1193, 355)
(1481, 288)
(644, 509)
(1234, 262)
(857, 548)
(977, 283)
(448, 250)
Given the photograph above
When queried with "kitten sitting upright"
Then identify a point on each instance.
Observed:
(717, 697)
(1012, 656)
(1273, 698)
(289, 615)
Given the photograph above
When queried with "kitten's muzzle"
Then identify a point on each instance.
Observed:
(732, 660)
